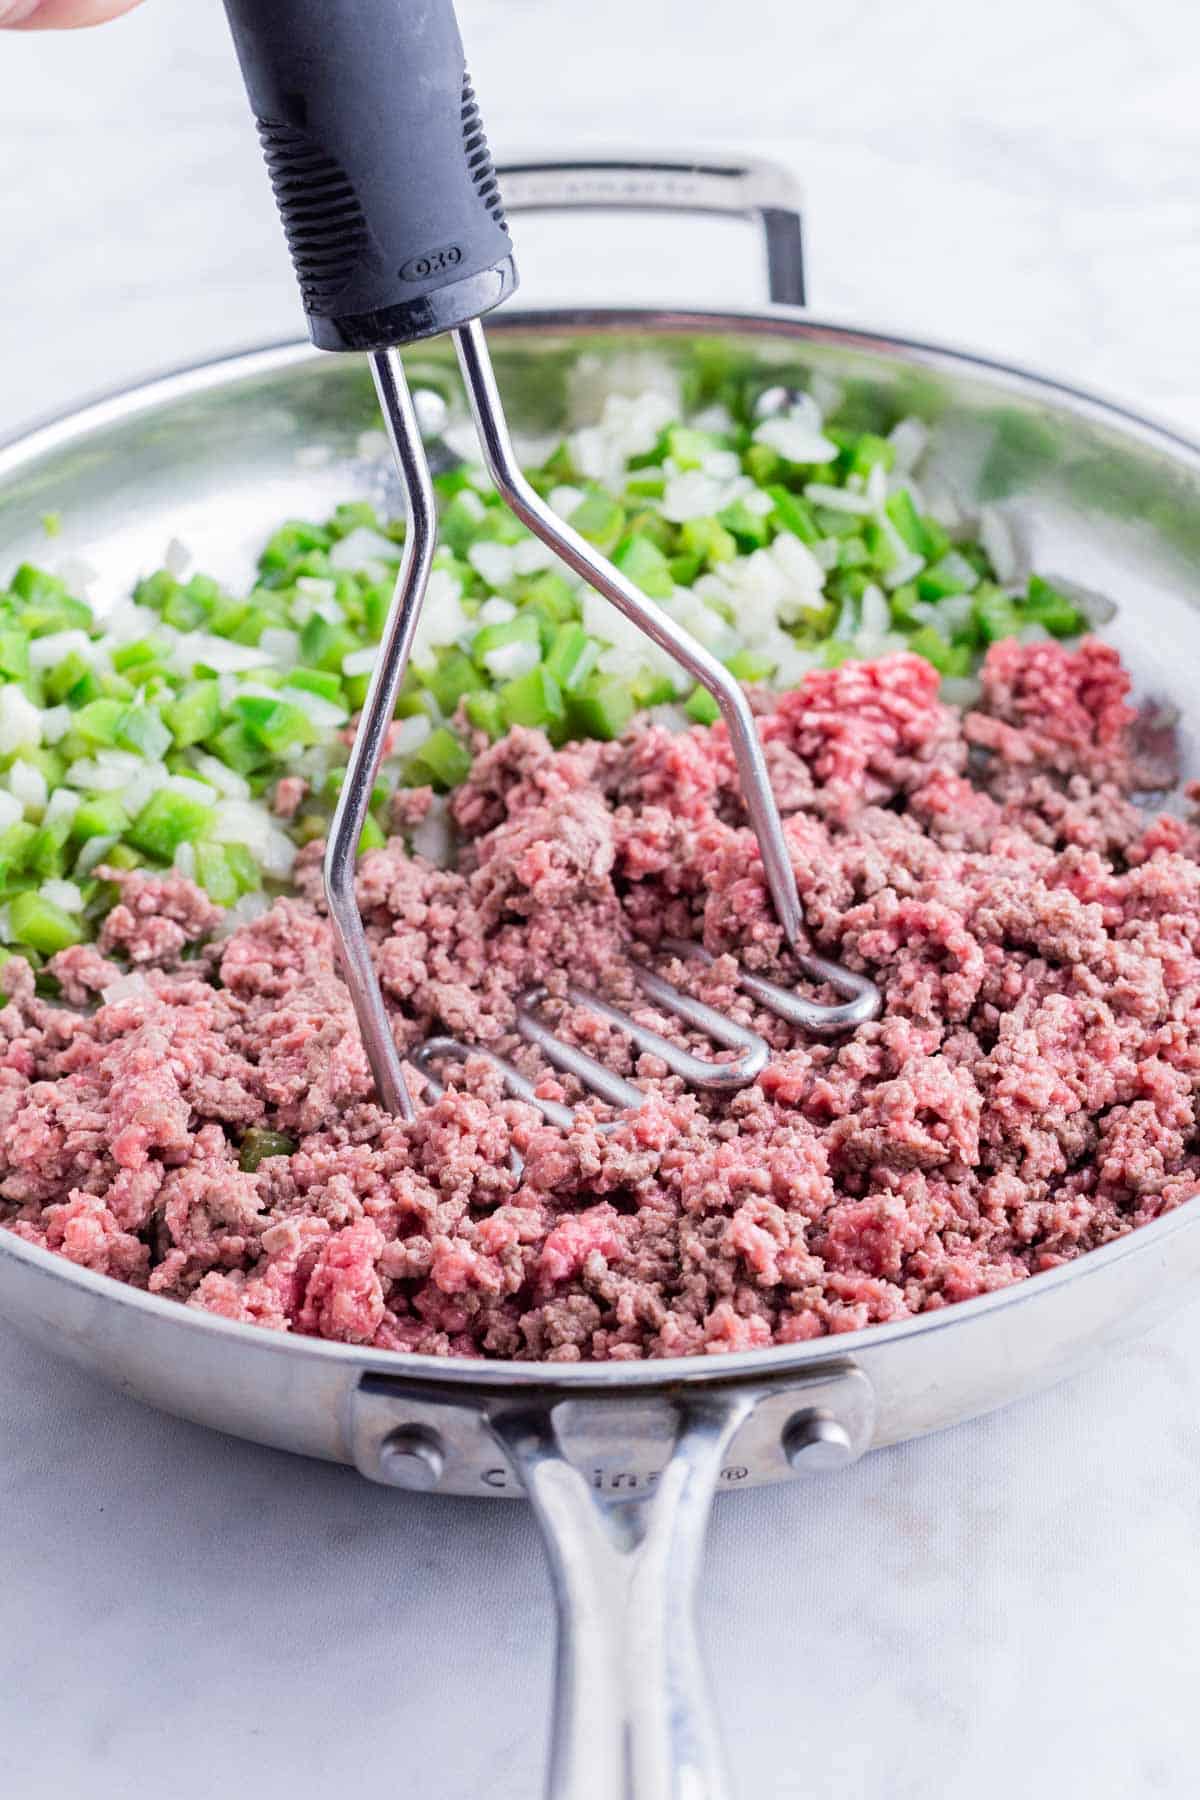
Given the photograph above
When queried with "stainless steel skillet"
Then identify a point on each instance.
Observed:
(620, 1461)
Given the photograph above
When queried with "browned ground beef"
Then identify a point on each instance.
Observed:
(1028, 1094)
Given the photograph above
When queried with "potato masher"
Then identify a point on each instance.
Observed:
(392, 212)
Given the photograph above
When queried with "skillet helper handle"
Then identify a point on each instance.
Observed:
(764, 192)
(633, 1718)
(379, 163)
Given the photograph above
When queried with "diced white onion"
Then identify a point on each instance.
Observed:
(325, 715)
(495, 562)
(77, 573)
(46, 652)
(127, 762)
(126, 987)
(825, 393)
(283, 647)
(227, 781)
(126, 622)
(495, 611)
(177, 558)
(907, 565)
(672, 718)
(835, 499)
(629, 425)
(372, 446)
(442, 618)
(56, 722)
(242, 912)
(961, 690)
(531, 555)
(694, 494)
(509, 660)
(715, 418)
(360, 662)
(187, 785)
(957, 569)
(318, 590)
(185, 860)
(433, 838)
(94, 852)
(278, 856)
(563, 500)
(92, 779)
(136, 792)
(723, 465)
(410, 734)
(27, 784)
(363, 545)
(63, 894)
(10, 809)
(248, 822)
(20, 721)
(999, 545)
(192, 647)
(62, 804)
(796, 438)
(875, 615)
(910, 440)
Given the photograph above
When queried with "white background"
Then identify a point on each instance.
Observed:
(1010, 1608)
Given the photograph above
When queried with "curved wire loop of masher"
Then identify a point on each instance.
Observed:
(861, 997)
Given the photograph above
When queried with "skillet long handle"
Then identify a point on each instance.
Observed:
(633, 1719)
(379, 163)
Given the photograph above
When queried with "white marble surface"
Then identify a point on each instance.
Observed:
(1010, 1607)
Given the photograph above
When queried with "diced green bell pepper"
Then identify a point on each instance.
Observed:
(701, 706)
(572, 656)
(258, 1144)
(599, 519)
(483, 710)
(167, 820)
(215, 875)
(98, 722)
(442, 761)
(644, 564)
(601, 708)
(42, 925)
(100, 815)
(1047, 605)
(141, 728)
(275, 724)
(534, 699)
(195, 714)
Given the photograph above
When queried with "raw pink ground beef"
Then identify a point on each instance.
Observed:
(1029, 1093)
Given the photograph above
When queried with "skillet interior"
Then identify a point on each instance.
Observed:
(215, 456)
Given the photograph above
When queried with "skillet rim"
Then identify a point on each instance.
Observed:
(128, 401)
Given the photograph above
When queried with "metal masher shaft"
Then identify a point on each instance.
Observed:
(479, 378)
(370, 741)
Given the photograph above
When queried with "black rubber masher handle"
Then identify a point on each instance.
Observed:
(379, 163)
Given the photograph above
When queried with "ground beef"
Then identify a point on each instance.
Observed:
(1028, 1094)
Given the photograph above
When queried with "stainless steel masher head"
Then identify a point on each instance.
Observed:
(392, 212)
